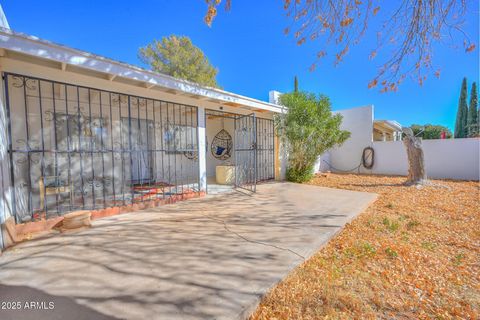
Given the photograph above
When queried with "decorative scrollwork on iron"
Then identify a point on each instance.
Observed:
(80, 191)
(117, 147)
(28, 145)
(29, 83)
(141, 103)
(17, 81)
(119, 98)
(191, 155)
(21, 159)
(94, 123)
(51, 116)
(107, 181)
(34, 159)
(98, 182)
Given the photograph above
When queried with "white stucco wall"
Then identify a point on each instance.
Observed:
(5, 190)
(213, 127)
(449, 159)
(444, 159)
(202, 161)
(359, 122)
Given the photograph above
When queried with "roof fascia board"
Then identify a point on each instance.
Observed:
(43, 49)
(394, 125)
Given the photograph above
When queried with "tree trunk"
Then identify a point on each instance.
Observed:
(416, 161)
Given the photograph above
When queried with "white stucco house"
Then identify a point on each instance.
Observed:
(387, 130)
(81, 131)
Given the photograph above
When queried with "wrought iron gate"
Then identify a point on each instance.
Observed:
(265, 143)
(72, 147)
(246, 152)
(247, 129)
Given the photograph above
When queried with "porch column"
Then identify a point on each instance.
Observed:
(5, 186)
(202, 147)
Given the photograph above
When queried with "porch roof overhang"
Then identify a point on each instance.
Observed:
(68, 58)
(390, 125)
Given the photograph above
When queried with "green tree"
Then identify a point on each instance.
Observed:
(430, 131)
(178, 57)
(472, 122)
(461, 122)
(307, 129)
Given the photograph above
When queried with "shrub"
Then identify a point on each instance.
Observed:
(307, 129)
(299, 175)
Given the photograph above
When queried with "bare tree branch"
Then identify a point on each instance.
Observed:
(410, 32)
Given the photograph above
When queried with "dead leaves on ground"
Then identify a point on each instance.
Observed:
(413, 254)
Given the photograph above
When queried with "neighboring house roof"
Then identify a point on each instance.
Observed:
(19, 43)
(390, 124)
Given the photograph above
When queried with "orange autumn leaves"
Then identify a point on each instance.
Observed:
(406, 33)
(413, 254)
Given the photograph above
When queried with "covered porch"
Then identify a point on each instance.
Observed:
(85, 132)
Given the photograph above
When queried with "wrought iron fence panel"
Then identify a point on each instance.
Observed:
(73, 147)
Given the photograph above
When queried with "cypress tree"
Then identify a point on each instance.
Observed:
(472, 112)
(295, 84)
(461, 122)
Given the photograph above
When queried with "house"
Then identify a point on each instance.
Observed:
(81, 131)
(387, 130)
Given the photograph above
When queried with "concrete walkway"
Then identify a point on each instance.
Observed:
(208, 258)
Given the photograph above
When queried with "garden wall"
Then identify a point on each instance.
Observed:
(444, 159)
(359, 122)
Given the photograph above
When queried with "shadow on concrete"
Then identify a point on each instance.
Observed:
(200, 259)
(27, 303)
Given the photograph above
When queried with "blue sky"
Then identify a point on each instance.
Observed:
(250, 50)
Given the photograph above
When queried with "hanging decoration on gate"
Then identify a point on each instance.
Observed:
(222, 145)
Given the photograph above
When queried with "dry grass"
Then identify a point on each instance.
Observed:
(413, 254)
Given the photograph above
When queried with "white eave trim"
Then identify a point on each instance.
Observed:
(391, 124)
(36, 47)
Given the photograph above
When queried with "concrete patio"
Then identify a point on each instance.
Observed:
(208, 258)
